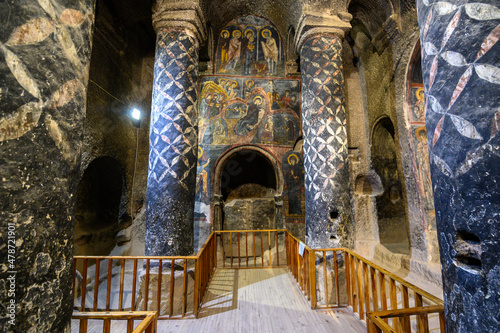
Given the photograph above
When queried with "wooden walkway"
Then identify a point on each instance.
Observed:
(255, 300)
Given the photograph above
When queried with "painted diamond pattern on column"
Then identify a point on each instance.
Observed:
(325, 143)
(325, 136)
(173, 146)
(450, 71)
(173, 139)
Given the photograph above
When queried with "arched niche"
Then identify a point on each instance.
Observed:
(252, 46)
(247, 179)
(100, 207)
(391, 212)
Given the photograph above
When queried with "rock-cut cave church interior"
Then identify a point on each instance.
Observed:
(370, 125)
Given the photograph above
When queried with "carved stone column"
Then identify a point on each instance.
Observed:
(328, 209)
(173, 133)
(44, 65)
(461, 71)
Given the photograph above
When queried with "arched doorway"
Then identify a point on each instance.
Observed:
(100, 208)
(247, 181)
(391, 213)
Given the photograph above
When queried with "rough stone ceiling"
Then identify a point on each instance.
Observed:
(282, 13)
(136, 14)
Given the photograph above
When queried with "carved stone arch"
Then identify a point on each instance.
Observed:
(220, 195)
(220, 163)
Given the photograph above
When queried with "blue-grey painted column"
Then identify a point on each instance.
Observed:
(44, 64)
(461, 70)
(328, 209)
(173, 138)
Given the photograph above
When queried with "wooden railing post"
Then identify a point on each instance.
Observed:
(347, 278)
(312, 274)
(363, 286)
(196, 286)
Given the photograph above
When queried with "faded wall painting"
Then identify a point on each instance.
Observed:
(249, 102)
(293, 172)
(418, 140)
(249, 110)
(250, 45)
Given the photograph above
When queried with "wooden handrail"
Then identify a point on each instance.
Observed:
(238, 252)
(368, 288)
(409, 311)
(148, 323)
(403, 282)
(376, 323)
(137, 257)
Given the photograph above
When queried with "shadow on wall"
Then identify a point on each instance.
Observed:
(100, 207)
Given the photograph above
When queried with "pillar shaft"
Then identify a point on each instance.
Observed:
(461, 76)
(328, 212)
(44, 55)
(173, 145)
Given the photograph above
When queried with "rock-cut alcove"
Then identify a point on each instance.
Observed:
(248, 185)
(100, 207)
(391, 213)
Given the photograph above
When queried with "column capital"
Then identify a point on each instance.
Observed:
(180, 15)
(313, 23)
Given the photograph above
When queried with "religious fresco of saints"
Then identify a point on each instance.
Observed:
(243, 105)
(202, 178)
(418, 104)
(248, 89)
(248, 51)
(423, 168)
(270, 51)
(250, 46)
(224, 46)
(233, 52)
(278, 128)
(293, 170)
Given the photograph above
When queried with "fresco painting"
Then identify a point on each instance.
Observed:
(240, 110)
(250, 46)
(249, 101)
(418, 140)
(417, 104)
(293, 171)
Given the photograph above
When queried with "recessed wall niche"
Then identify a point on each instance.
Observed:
(100, 209)
(391, 213)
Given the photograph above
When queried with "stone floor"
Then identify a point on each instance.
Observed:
(254, 300)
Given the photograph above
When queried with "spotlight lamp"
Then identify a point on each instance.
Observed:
(136, 116)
